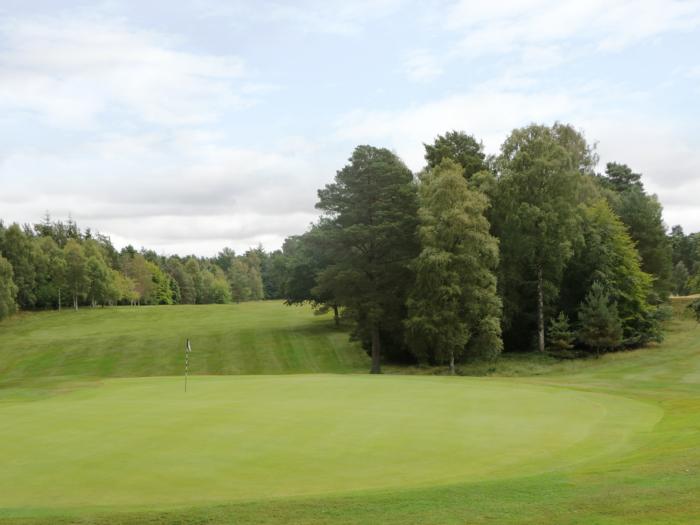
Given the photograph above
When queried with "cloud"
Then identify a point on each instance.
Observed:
(72, 70)
(422, 66)
(503, 27)
(310, 16)
(491, 114)
(189, 190)
(662, 149)
(528, 37)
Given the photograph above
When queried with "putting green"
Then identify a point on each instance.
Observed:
(132, 442)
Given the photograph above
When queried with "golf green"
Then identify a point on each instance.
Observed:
(145, 442)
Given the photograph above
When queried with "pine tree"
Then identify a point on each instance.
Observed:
(600, 326)
(371, 213)
(560, 335)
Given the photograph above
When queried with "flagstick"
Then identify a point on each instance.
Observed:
(188, 349)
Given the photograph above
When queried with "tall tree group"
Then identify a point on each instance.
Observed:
(529, 249)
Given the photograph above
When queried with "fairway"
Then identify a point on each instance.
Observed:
(145, 442)
(252, 338)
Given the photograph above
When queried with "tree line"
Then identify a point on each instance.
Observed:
(531, 248)
(54, 264)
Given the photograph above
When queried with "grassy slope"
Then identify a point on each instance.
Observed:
(251, 338)
(656, 480)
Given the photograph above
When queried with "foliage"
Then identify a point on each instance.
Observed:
(600, 326)
(536, 220)
(370, 218)
(681, 279)
(642, 214)
(18, 249)
(607, 255)
(695, 308)
(560, 335)
(453, 307)
(461, 148)
(8, 289)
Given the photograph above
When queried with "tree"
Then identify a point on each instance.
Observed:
(303, 261)
(681, 247)
(607, 254)
(245, 280)
(50, 272)
(463, 149)
(216, 287)
(369, 236)
(560, 335)
(17, 247)
(8, 289)
(139, 270)
(681, 279)
(125, 289)
(99, 281)
(643, 216)
(161, 291)
(183, 278)
(620, 178)
(695, 308)
(536, 220)
(600, 326)
(76, 276)
(273, 274)
(453, 302)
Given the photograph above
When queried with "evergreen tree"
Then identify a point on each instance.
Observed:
(600, 326)
(463, 149)
(560, 335)
(453, 304)
(608, 255)
(643, 216)
(371, 216)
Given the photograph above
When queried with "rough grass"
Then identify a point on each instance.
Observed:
(652, 475)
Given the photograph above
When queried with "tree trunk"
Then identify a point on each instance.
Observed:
(336, 317)
(452, 363)
(376, 351)
(59, 299)
(75, 301)
(540, 311)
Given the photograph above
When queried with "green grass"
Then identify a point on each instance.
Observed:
(599, 441)
(251, 338)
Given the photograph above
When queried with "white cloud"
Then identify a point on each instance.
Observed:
(665, 152)
(490, 114)
(188, 191)
(309, 16)
(502, 27)
(421, 65)
(72, 70)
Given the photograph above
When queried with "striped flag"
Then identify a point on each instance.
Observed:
(188, 349)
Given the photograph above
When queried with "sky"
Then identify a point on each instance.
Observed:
(189, 126)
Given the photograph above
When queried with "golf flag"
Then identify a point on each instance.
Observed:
(188, 349)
